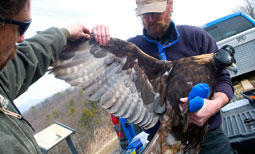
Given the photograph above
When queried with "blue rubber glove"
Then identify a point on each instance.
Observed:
(197, 95)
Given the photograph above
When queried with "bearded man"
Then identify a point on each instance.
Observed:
(164, 40)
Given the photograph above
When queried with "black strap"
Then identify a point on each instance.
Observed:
(22, 118)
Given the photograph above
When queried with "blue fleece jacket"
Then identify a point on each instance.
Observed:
(185, 41)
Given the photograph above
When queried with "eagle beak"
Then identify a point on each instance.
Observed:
(233, 68)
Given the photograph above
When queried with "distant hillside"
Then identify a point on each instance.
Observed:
(26, 107)
(92, 123)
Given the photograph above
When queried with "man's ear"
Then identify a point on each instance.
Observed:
(170, 5)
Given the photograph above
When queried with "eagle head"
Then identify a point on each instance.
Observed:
(224, 58)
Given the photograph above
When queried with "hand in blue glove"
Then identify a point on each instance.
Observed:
(197, 95)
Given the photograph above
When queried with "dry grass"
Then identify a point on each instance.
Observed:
(109, 147)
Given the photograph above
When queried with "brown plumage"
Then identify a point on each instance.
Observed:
(131, 84)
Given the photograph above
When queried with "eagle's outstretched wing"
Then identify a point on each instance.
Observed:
(120, 76)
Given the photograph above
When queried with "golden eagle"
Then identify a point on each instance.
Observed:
(131, 84)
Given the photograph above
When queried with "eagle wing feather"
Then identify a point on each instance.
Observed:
(119, 75)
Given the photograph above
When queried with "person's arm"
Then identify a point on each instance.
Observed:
(35, 55)
(223, 93)
(210, 108)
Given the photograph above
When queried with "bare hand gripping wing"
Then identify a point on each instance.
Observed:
(119, 75)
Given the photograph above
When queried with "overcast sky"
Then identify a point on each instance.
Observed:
(119, 15)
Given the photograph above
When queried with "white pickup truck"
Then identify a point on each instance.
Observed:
(238, 117)
(237, 30)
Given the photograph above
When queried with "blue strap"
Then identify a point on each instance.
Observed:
(161, 48)
(128, 129)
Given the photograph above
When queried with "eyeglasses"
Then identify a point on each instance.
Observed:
(23, 26)
(146, 16)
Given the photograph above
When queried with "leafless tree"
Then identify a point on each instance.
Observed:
(248, 8)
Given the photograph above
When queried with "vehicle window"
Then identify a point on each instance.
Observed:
(229, 27)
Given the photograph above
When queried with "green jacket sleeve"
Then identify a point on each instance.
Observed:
(32, 60)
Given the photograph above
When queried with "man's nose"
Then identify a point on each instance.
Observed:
(151, 17)
(21, 38)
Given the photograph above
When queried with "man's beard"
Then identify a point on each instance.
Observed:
(14, 50)
(157, 29)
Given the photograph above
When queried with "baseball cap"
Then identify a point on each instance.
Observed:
(147, 6)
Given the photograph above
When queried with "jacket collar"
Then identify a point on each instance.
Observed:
(170, 37)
